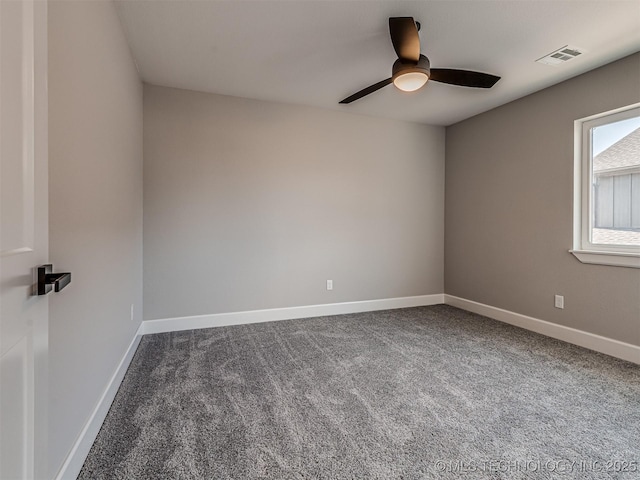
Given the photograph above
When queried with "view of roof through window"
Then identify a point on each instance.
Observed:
(615, 216)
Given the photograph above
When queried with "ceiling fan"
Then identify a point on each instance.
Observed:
(412, 70)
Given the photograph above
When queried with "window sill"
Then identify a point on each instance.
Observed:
(614, 259)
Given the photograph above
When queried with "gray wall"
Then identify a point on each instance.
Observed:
(95, 160)
(509, 201)
(251, 205)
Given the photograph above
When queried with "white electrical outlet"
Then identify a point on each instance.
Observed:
(132, 312)
(559, 301)
(329, 284)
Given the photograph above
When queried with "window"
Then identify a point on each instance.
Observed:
(607, 188)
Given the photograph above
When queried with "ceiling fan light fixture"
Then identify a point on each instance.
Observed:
(410, 81)
(412, 70)
(411, 76)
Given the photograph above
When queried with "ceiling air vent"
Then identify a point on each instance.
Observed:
(561, 55)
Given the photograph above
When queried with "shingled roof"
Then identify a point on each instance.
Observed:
(624, 153)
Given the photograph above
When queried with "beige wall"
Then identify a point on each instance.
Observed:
(509, 201)
(95, 155)
(251, 205)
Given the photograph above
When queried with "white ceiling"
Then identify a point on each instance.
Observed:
(313, 52)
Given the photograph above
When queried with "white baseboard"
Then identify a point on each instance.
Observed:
(609, 346)
(78, 453)
(289, 313)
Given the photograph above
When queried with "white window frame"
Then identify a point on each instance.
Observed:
(583, 249)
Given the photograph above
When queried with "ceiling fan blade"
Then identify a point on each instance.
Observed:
(405, 39)
(463, 78)
(367, 91)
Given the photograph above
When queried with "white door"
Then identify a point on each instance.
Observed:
(23, 238)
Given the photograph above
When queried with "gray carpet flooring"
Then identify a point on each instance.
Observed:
(427, 392)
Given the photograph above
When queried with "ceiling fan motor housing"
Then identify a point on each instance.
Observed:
(403, 67)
